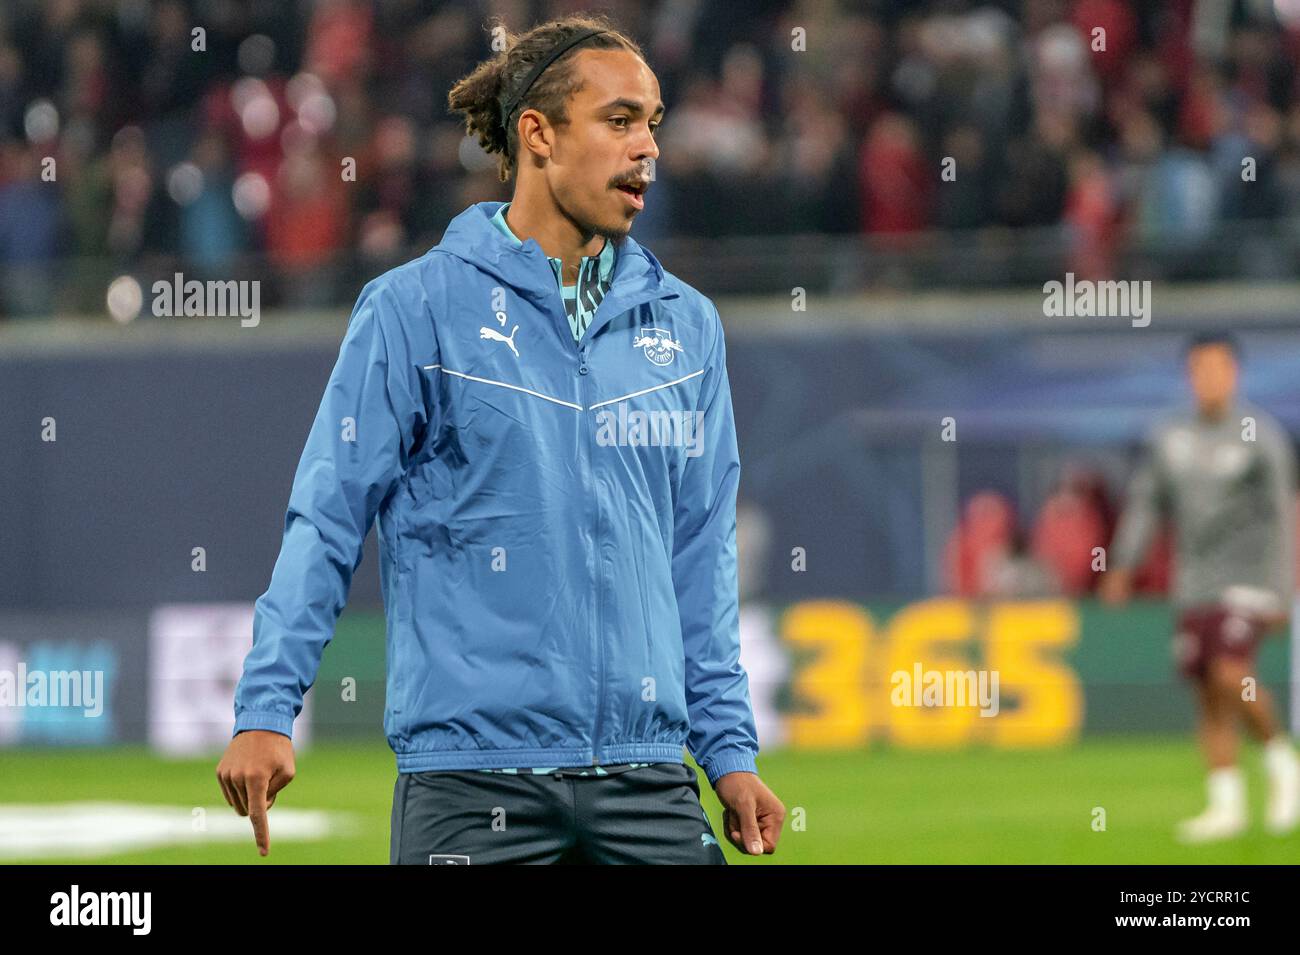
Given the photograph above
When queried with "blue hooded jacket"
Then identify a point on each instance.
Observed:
(557, 519)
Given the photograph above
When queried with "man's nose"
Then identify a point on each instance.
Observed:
(647, 148)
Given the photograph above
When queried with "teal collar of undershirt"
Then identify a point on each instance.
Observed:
(606, 255)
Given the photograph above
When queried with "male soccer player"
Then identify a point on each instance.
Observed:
(541, 419)
(1224, 474)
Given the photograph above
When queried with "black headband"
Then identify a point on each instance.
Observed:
(536, 71)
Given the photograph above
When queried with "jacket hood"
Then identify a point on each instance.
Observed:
(471, 236)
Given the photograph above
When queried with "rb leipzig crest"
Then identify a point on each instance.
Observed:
(657, 344)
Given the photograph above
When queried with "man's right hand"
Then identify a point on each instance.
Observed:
(257, 764)
(1116, 586)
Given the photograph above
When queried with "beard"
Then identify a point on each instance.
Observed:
(615, 229)
(615, 234)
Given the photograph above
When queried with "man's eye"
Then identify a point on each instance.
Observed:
(617, 119)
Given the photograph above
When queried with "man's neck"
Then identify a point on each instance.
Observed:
(1216, 412)
(539, 219)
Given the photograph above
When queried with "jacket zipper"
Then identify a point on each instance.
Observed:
(595, 540)
(596, 562)
(587, 442)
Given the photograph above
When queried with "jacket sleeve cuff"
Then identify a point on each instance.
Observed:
(253, 720)
(732, 761)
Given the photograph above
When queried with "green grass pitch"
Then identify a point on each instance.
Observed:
(874, 805)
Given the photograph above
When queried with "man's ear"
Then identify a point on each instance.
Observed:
(536, 134)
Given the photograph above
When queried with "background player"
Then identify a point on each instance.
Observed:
(1224, 474)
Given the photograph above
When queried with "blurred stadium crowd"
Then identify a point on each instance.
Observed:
(227, 161)
(994, 552)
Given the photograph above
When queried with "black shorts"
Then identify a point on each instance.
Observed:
(650, 815)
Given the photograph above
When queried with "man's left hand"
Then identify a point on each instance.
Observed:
(752, 815)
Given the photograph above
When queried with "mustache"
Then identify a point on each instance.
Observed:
(638, 177)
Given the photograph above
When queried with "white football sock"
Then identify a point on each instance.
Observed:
(1279, 756)
(1227, 789)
